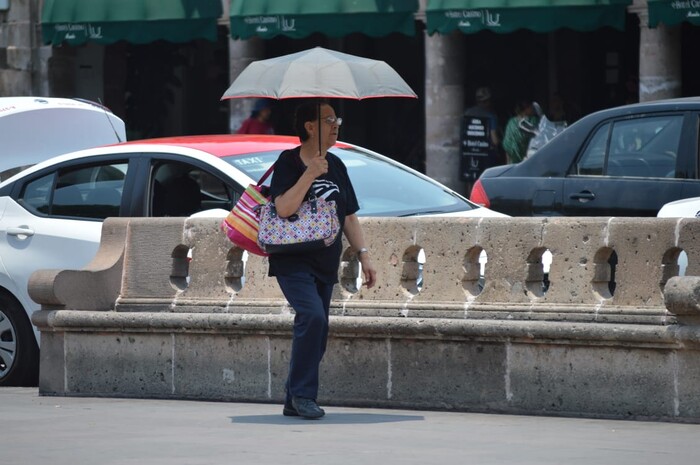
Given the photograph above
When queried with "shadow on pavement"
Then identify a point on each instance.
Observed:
(330, 418)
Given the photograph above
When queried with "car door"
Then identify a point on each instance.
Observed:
(539, 196)
(629, 167)
(53, 219)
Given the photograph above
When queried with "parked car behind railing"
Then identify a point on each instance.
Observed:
(624, 161)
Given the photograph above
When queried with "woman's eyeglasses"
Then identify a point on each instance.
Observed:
(333, 120)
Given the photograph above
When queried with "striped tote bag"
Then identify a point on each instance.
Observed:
(242, 223)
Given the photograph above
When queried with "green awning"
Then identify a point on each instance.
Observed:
(672, 12)
(469, 16)
(334, 18)
(137, 21)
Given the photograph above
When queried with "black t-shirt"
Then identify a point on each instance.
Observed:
(334, 185)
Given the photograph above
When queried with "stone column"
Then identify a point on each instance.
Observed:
(659, 57)
(241, 54)
(444, 106)
(16, 50)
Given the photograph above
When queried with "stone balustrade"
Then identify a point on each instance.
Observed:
(169, 308)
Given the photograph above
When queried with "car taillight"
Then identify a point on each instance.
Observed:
(478, 195)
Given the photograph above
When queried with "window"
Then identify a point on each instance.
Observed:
(180, 189)
(640, 147)
(36, 196)
(93, 192)
(383, 188)
(593, 159)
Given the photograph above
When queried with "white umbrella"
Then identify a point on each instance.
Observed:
(319, 72)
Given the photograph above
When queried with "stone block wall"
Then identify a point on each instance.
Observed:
(23, 59)
(170, 309)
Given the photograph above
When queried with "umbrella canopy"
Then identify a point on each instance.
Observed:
(319, 72)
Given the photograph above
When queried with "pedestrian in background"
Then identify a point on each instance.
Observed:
(484, 108)
(480, 138)
(259, 120)
(519, 130)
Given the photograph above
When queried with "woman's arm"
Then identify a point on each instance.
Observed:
(288, 203)
(354, 235)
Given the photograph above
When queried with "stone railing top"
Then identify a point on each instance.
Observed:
(602, 270)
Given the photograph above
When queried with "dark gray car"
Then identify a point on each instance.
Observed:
(623, 161)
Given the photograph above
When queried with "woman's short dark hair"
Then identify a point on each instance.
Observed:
(307, 111)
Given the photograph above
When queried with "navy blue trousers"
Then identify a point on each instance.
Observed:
(311, 300)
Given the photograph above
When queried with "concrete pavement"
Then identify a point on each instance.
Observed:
(73, 431)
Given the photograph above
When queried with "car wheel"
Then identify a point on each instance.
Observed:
(19, 354)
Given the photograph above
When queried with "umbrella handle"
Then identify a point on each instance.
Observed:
(318, 112)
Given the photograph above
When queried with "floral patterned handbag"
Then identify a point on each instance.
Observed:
(314, 226)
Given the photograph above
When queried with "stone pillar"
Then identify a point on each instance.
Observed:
(23, 60)
(444, 106)
(241, 54)
(16, 50)
(659, 57)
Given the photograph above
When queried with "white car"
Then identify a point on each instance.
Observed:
(684, 208)
(33, 129)
(52, 212)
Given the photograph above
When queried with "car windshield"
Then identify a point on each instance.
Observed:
(383, 188)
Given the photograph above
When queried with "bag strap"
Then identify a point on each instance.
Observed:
(266, 175)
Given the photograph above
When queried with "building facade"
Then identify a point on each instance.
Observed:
(163, 66)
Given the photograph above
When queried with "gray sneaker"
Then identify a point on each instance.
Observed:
(307, 408)
(290, 411)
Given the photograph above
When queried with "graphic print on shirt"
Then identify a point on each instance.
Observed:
(323, 188)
